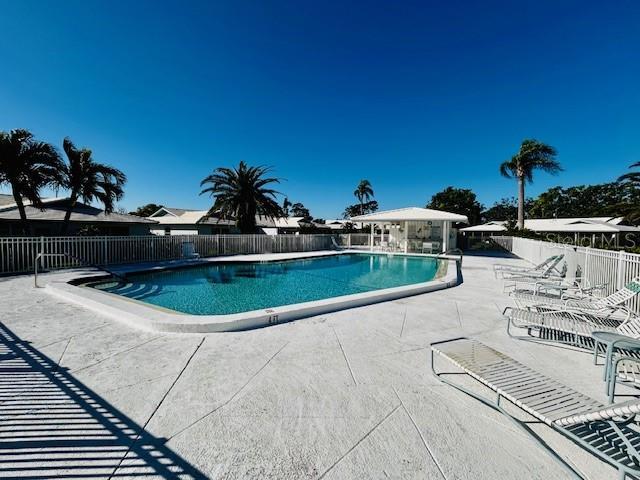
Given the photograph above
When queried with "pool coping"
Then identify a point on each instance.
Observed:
(151, 318)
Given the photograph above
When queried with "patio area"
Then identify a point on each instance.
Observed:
(342, 395)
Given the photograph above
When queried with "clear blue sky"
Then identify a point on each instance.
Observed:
(414, 96)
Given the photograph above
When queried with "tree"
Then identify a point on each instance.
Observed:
(360, 209)
(364, 193)
(631, 177)
(457, 200)
(299, 210)
(146, 210)
(505, 209)
(533, 155)
(606, 199)
(27, 165)
(286, 205)
(241, 193)
(88, 181)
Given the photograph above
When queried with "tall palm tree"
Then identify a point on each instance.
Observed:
(27, 165)
(364, 193)
(88, 180)
(533, 155)
(241, 193)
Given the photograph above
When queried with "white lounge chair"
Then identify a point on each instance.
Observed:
(527, 291)
(608, 432)
(334, 244)
(551, 275)
(612, 303)
(501, 269)
(189, 251)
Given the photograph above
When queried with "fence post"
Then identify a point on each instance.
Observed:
(620, 267)
(104, 251)
(585, 274)
(42, 248)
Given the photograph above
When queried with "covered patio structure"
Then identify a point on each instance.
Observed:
(412, 229)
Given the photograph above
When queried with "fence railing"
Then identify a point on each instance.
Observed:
(594, 266)
(353, 240)
(18, 254)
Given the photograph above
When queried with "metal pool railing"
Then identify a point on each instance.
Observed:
(18, 254)
(612, 268)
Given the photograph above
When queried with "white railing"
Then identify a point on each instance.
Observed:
(595, 266)
(18, 254)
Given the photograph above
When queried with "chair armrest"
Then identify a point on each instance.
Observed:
(633, 342)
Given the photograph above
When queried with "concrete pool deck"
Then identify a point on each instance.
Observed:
(347, 394)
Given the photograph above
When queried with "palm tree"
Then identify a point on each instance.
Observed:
(631, 177)
(88, 180)
(364, 193)
(27, 165)
(286, 205)
(241, 193)
(533, 155)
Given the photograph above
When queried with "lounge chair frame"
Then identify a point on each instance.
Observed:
(607, 424)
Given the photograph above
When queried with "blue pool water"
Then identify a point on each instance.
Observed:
(220, 289)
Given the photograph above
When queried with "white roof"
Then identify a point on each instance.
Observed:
(568, 225)
(174, 216)
(25, 202)
(410, 213)
(579, 225)
(288, 222)
(494, 226)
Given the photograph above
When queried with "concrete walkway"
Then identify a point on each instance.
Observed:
(346, 395)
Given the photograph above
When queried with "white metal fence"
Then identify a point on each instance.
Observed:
(594, 266)
(17, 254)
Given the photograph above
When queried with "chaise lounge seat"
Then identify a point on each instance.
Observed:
(608, 432)
(548, 265)
(568, 326)
(612, 302)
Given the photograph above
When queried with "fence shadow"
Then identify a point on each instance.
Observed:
(53, 426)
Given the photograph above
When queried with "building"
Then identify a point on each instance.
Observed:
(340, 224)
(85, 219)
(413, 229)
(287, 225)
(611, 230)
(180, 221)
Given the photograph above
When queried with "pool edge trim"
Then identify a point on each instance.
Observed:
(145, 317)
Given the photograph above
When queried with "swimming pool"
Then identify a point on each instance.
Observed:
(231, 288)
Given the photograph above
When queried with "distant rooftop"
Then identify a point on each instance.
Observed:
(569, 225)
(55, 209)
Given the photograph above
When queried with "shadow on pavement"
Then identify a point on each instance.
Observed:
(53, 426)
